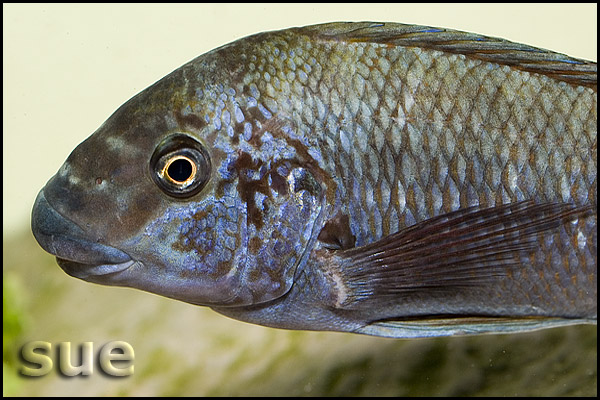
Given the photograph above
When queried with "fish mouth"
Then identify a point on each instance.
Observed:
(87, 271)
(76, 253)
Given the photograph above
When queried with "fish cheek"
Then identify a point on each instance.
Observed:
(242, 243)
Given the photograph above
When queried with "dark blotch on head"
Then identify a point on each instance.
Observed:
(238, 129)
(279, 183)
(337, 234)
(202, 213)
(247, 188)
(190, 120)
(271, 178)
(254, 245)
(256, 115)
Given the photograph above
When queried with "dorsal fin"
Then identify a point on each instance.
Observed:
(527, 58)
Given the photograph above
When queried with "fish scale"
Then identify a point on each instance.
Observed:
(495, 91)
(385, 179)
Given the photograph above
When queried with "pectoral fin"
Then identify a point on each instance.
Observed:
(460, 251)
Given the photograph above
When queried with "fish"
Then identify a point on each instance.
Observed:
(383, 179)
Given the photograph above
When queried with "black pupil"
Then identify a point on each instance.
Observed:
(180, 170)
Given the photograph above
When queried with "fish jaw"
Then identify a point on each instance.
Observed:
(82, 257)
(143, 265)
(77, 254)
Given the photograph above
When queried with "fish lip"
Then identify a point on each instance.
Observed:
(85, 271)
(71, 245)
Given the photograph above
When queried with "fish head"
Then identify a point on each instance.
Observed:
(190, 191)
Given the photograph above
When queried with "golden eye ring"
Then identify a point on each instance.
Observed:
(180, 166)
(175, 168)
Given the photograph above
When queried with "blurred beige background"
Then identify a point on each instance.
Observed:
(68, 67)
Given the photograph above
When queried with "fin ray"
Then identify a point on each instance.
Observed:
(467, 248)
(462, 326)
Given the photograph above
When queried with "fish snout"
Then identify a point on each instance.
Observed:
(77, 253)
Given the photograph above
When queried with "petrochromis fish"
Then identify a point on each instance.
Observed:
(376, 178)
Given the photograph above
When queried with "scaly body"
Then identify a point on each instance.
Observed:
(316, 146)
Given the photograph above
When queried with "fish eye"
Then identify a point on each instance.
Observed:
(180, 166)
(179, 169)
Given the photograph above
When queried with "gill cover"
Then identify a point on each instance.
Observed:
(238, 226)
